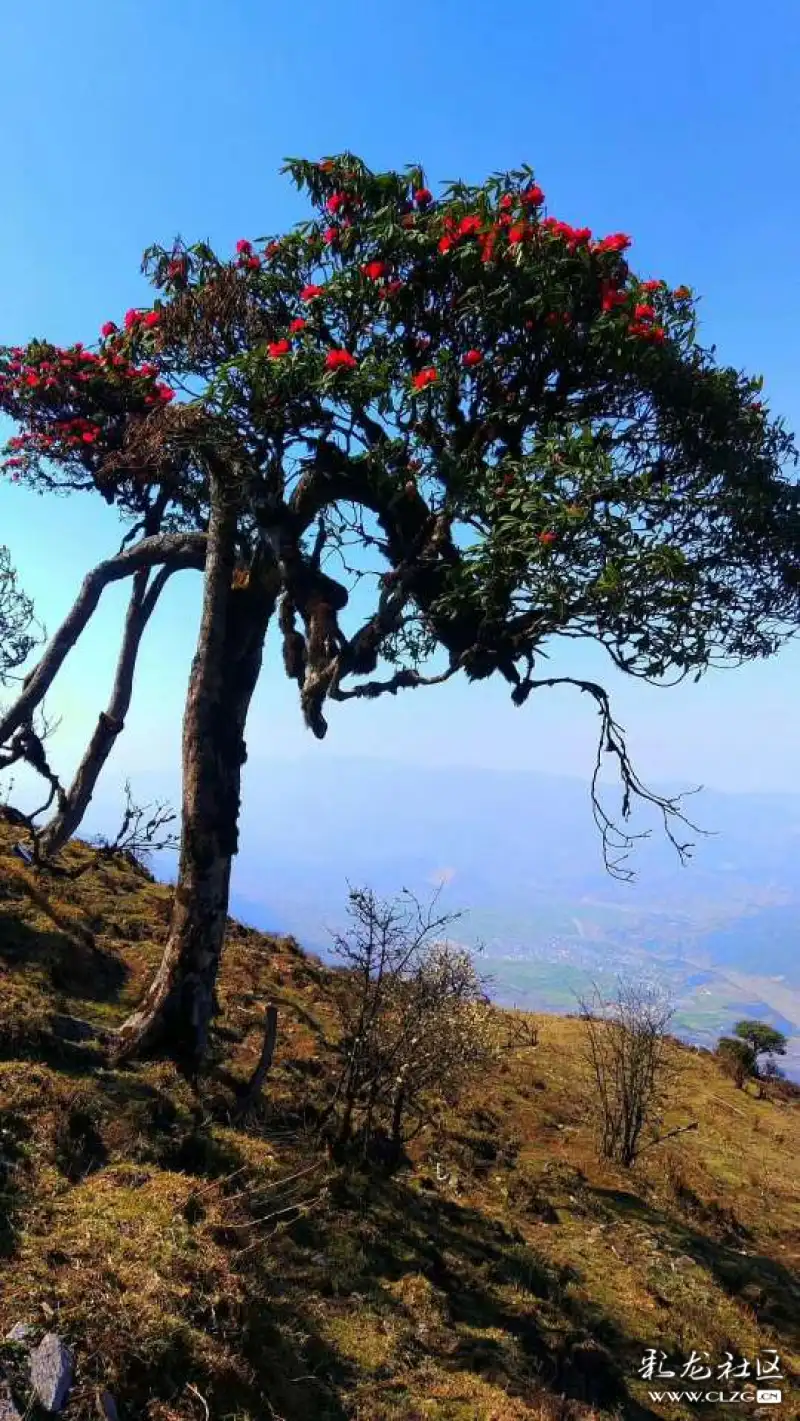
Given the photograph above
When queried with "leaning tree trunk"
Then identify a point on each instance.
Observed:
(111, 722)
(176, 1011)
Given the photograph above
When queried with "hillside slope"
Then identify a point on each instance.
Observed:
(202, 1269)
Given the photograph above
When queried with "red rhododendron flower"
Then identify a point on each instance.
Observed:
(308, 293)
(335, 203)
(611, 297)
(340, 360)
(375, 270)
(271, 250)
(547, 539)
(297, 325)
(472, 357)
(506, 201)
(647, 332)
(644, 313)
(468, 226)
(131, 319)
(152, 318)
(277, 348)
(533, 195)
(108, 329)
(165, 393)
(425, 378)
(330, 235)
(445, 243)
(652, 285)
(423, 196)
(243, 247)
(518, 233)
(617, 242)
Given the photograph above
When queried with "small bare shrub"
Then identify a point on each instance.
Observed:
(416, 1025)
(626, 1052)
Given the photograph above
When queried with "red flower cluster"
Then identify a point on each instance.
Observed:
(455, 229)
(244, 248)
(423, 197)
(611, 296)
(469, 226)
(573, 236)
(617, 242)
(340, 360)
(533, 196)
(40, 391)
(644, 331)
(547, 539)
(471, 359)
(375, 270)
(330, 236)
(135, 318)
(297, 325)
(336, 202)
(425, 377)
(277, 348)
(309, 293)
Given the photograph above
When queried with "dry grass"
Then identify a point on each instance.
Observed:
(504, 1274)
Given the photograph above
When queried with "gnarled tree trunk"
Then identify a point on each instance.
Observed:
(177, 1008)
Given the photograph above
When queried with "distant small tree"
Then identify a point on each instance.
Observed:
(415, 1022)
(764, 1040)
(626, 1051)
(737, 1059)
(19, 633)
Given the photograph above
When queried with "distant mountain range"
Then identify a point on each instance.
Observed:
(521, 855)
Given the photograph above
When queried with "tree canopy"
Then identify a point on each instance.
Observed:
(471, 411)
(763, 1039)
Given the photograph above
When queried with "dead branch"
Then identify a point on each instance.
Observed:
(611, 741)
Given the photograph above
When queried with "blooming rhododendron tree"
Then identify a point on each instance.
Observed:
(521, 438)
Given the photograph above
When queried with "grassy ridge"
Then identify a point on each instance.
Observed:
(504, 1275)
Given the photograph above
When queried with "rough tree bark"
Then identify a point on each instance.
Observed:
(176, 1011)
(110, 722)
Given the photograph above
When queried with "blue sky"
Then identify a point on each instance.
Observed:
(129, 123)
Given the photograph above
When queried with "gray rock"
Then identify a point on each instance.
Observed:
(20, 1332)
(51, 1372)
(8, 1411)
(106, 1407)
